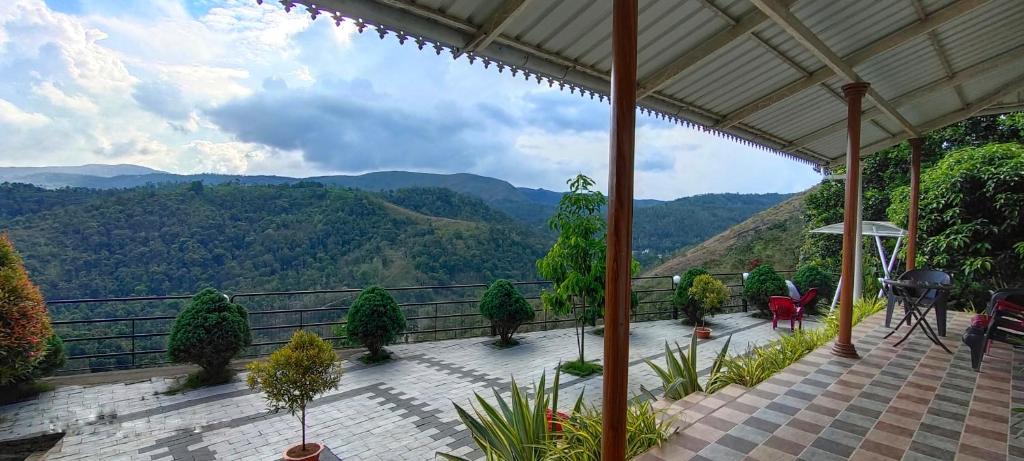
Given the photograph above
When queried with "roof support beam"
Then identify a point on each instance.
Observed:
(494, 25)
(673, 70)
(953, 117)
(789, 22)
(940, 52)
(887, 43)
(1004, 62)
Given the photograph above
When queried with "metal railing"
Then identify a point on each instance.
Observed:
(432, 313)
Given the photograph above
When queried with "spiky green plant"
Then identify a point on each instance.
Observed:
(580, 438)
(513, 429)
(680, 377)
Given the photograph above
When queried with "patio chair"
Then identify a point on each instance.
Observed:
(1003, 320)
(936, 296)
(807, 298)
(784, 308)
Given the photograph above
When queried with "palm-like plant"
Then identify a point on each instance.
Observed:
(514, 429)
(680, 377)
(580, 439)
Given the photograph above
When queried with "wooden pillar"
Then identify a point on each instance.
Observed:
(620, 229)
(916, 147)
(854, 93)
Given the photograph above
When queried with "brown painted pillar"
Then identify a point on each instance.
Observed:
(916, 147)
(854, 93)
(620, 230)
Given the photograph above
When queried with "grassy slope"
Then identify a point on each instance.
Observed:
(773, 236)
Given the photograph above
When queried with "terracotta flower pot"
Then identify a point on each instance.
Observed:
(702, 332)
(296, 453)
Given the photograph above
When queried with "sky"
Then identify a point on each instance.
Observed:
(230, 86)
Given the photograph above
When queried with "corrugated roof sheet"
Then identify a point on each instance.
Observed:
(887, 43)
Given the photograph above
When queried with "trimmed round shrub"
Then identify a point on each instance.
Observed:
(682, 299)
(53, 359)
(506, 309)
(812, 276)
(709, 294)
(763, 282)
(209, 333)
(24, 321)
(375, 321)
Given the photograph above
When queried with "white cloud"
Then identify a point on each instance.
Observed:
(58, 98)
(13, 116)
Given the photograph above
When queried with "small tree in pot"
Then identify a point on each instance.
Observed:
(506, 309)
(293, 376)
(375, 321)
(762, 283)
(709, 294)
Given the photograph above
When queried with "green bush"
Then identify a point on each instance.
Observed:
(580, 437)
(24, 321)
(762, 283)
(209, 333)
(812, 276)
(375, 321)
(54, 358)
(295, 374)
(506, 309)
(680, 377)
(970, 218)
(709, 294)
(681, 299)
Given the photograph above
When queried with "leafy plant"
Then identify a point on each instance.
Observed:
(506, 308)
(681, 298)
(24, 321)
(295, 374)
(680, 377)
(576, 262)
(375, 321)
(209, 332)
(709, 294)
(514, 429)
(971, 219)
(762, 283)
(53, 359)
(810, 276)
(580, 437)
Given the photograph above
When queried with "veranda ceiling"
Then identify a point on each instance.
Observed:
(767, 72)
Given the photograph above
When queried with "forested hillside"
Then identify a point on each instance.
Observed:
(179, 238)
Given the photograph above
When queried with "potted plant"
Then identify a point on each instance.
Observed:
(709, 294)
(293, 376)
(682, 300)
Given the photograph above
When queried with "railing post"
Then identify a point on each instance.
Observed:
(301, 323)
(435, 322)
(133, 343)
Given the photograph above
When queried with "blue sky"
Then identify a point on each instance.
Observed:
(230, 86)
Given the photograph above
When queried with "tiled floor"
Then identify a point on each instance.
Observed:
(398, 410)
(914, 402)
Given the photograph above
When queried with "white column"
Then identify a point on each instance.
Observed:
(858, 280)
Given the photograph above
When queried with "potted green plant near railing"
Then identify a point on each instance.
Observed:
(506, 308)
(374, 321)
(209, 333)
(709, 294)
(292, 377)
(762, 283)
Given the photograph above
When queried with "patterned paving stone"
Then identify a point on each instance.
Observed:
(397, 410)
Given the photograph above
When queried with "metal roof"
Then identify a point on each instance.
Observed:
(764, 72)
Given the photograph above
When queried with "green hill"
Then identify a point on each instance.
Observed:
(178, 238)
(773, 236)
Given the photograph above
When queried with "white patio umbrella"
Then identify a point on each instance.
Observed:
(878, 230)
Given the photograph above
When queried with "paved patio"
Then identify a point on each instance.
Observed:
(398, 410)
(915, 402)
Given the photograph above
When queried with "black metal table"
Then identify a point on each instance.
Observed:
(917, 304)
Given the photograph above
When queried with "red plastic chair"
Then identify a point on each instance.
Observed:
(784, 308)
(807, 298)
